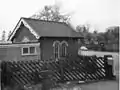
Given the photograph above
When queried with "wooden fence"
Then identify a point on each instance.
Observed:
(84, 68)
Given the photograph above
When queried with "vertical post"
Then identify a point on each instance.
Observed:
(109, 66)
(8, 74)
(85, 64)
(106, 67)
(61, 71)
(0, 71)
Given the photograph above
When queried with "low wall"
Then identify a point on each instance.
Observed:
(14, 52)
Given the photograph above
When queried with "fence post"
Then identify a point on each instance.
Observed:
(85, 63)
(106, 67)
(109, 63)
(0, 72)
(61, 69)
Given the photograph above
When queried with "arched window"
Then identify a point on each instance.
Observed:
(56, 46)
(64, 45)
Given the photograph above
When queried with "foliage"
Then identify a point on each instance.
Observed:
(94, 40)
(3, 35)
(83, 28)
(9, 34)
(51, 13)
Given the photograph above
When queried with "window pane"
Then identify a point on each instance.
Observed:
(56, 50)
(64, 50)
(25, 50)
(32, 49)
(56, 55)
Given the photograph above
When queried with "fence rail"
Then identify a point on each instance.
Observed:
(84, 68)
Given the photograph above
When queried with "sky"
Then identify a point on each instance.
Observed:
(100, 14)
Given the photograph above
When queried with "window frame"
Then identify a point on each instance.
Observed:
(66, 45)
(23, 50)
(28, 51)
(56, 42)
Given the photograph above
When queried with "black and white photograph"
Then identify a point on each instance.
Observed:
(59, 44)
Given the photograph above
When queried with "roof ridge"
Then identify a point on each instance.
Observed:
(44, 20)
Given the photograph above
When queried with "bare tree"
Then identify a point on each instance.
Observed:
(9, 34)
(51, 13)
(79, 28)
(3, 35)
(83, 28)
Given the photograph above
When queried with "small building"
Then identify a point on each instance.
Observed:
(34, 39)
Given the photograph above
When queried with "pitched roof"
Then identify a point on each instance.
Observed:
(42, 28)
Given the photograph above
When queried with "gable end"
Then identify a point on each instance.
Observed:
(22, 21)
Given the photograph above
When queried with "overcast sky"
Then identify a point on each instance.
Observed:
(99, 13)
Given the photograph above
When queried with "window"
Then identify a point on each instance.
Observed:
(56, 51)
(60, 49)
(25, 50)
(56, 46)
(28, 50)
(32, 50)
(64, 48)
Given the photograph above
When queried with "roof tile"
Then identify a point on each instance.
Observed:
(51, 28)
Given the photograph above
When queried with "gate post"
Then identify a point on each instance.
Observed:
(108, 67)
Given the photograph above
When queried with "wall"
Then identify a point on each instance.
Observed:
(47, 47)
(23, 31)
(13, 52)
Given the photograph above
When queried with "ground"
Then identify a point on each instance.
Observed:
(104, 85)
(101, 85)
